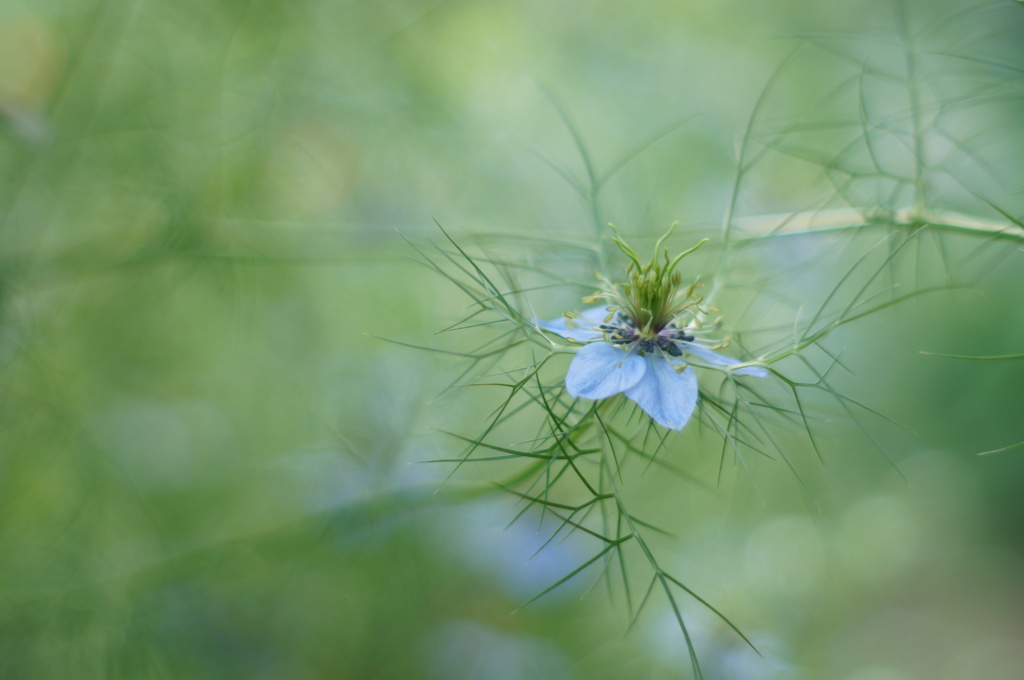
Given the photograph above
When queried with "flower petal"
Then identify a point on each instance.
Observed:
(581, 329)
(715, 359)
(600, 370)
(667, 397)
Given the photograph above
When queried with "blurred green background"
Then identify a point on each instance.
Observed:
(211, 465)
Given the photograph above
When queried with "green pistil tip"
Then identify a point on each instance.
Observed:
(652, 295)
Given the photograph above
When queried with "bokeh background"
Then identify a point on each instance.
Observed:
(212, 467)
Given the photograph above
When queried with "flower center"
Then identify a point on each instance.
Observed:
(622, 330)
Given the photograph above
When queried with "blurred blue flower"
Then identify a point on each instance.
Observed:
(647, 366)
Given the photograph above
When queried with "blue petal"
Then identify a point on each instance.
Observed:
(582, 329)
(600, 370)
(667, 397)
(715, 359)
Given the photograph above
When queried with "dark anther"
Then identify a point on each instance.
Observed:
(680, 334)
(671, 348)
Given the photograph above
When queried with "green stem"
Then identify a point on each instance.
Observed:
(847, 219)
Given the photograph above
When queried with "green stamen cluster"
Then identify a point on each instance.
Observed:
(653, 295)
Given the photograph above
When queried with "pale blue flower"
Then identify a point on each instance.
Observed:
(649, 369)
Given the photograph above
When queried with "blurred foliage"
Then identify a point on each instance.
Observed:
(210, 464)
